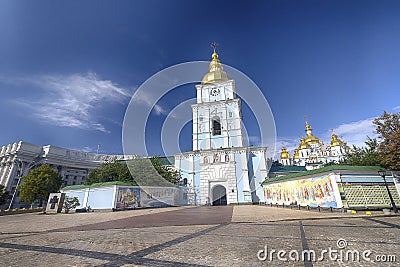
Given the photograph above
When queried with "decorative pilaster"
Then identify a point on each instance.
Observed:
(11, 175)
(245, 175)
(2, 172)
(6, 168)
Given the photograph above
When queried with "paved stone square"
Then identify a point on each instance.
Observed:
(194, 236)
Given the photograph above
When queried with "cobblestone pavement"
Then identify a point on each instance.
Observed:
(198, 236)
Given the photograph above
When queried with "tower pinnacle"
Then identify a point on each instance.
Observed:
(215, 72)
(214, 45)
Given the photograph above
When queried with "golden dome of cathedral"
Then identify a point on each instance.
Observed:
(335, 141)
(311, 139)
(308, 127)
(303, 144)
(215, 72)
(296, 153)
(317, 152)
(284, 153)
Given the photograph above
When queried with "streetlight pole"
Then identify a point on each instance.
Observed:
(382, 173)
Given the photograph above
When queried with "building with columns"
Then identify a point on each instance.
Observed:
(312, 153)
(220, 170)
(18, 159)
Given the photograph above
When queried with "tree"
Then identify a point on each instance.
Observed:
(153, 172)
(4, 195)
(364, 156)
(109, 172)
(276, 163)
(388, 129)
(146, 171)
(166, 171)
(70, 203)
(39, 183)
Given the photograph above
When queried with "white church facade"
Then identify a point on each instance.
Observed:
(220, 170)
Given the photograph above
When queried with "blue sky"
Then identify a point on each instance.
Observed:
(69, 68)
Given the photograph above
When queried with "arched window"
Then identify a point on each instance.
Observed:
(216, 124)
(226, 158)
(205, 159)
(184, 181)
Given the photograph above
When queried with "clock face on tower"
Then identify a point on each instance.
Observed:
(215, 91)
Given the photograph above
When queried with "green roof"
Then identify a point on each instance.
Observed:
(322, 170)
(82, 186)
(287, 169)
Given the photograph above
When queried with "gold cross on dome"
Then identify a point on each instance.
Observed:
(214, 45)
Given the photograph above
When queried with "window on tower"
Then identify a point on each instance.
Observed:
(216, 123)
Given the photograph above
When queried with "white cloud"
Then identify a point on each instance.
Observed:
(148, 99)
(159, 110)
(355, 133)
(72, 101)
(289, 143)
(397, 108)
(87, 149)
(84, 149)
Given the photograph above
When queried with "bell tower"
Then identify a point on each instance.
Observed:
(220, 170)
(217, 114)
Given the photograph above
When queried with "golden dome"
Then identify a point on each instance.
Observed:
(284, 153)
(296, 153)
(308, 127)
(335, 141)
(311, 139)
(216, 72)
(303, 144)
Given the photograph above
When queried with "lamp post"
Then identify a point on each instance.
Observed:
(382, 173)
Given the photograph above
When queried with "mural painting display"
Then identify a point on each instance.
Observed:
(133, 197)
(158, 197)
(313, 192)
(128, 198)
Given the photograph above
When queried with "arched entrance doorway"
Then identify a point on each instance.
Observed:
(219, 196)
